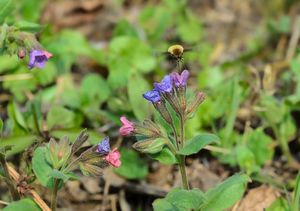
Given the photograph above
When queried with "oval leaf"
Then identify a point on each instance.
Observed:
(165, 156)
(180, 200)
(226, 193)
(41, 167)
(197, 143)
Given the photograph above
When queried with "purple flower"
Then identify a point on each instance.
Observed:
(38, 58)
(165, 85)
(153, 96)
(180, 80)
(103, 146)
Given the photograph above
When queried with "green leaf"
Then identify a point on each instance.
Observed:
(128, 55)
(287, 128)
(163, 205)
(271, 106)
(296, 198)
(41, 168)
(67, 50)
(149, 145)
(165, 156)
(23, 204)
(18, 143)
(17, 115)
(186, 199)
(137, 85)
(226, 193)
(61, 117)
(246, 159)
(197, 143)
(59, 175)
(18, 87)
(28, 26)
(190, 28)
(94, 89)
(133, 167)
(6, 7)
(123, 27)
(46, 75)
(180, 199)
(28, 13)
(280, 204)
(260, 145)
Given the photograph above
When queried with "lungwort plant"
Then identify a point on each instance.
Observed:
(166, 142)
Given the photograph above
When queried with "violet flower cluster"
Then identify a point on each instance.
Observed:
(166, 86)
(172, 90)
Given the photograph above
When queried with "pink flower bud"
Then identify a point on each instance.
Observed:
(21, 54)
(47, 54)
(113, 158)
(127, 127)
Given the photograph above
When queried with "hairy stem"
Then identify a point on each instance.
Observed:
(10, 184)
(54, 195)
(182, 135)
(176, 137)
(184, 178)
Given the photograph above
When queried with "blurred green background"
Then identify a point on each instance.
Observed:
(107, 53)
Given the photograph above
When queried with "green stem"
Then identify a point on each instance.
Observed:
(182, 135)
(176, 136)
(54, 195)
(184, 178)
(283, 145)
(10, 184)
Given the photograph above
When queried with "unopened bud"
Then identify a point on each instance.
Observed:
(21, 54)
(162, 109)
(148, 129)
(195, 103)
(181, 93)
(149, 145)
(173, 100)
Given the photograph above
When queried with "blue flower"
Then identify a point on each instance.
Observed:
(165, 85)
(153, 96)
(38, 58)
(103, 146)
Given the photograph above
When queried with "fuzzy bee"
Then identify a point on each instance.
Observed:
(175, 54)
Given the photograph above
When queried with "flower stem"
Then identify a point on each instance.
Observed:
(176, 136)
(54, 195)
(182, 135)
(184, 178)
(11, 187)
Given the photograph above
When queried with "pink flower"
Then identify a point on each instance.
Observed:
(113, 158)
(47, 54)
(127, 127)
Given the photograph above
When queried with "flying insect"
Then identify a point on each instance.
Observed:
(175, 54)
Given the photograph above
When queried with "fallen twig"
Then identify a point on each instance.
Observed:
(15, 175)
